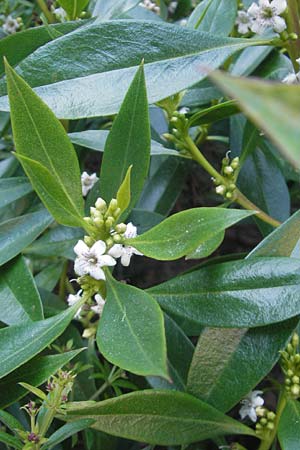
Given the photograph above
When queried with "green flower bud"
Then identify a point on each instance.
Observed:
(88, 220)
(88, 240)
(293, 36)
(270, 426)
(290, 349)
(98, 222)
(271, 415)
(117, 212)
(295, 390)
(113, 204)
(232, 187)
(263, 421)
(109, 242)
(290, 373)
(117, 238)
(297, 358)
(228, 195)
(101, 205)
(295, 340)
(228, 170)
(109, 222)
(295, 379)
(235, 162)
(121, 228)
(288, 381)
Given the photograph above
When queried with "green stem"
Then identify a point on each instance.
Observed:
(45, 10)
(266, 443)
(239, 197)
(62, 281)
(51, 412)
(292, 21)
(111, 378)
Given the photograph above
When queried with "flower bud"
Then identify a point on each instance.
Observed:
(270, 426)
(117, 238)
(221, 190)
(228, 195)
(228, 170)
(235, 162)
(98, 222)
(295, 390)
(109, 242)
(295, 340)
(117, 212)
(101, 205)
(113, 204)
(88, 240)
(121, 228)
(271, 415)
(109, 222)
(295, 379)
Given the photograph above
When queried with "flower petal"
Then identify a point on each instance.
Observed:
(279, 24)
(81, 266)
(279, 6)
(98, 249)
(81, 249)
(116, 250)
(106, 260)
(96, 272)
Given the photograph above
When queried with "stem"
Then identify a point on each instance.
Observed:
(62, 281)
(45, 10)
(292, 21)
(106, 384)
(239, 197)
(50, 413)
(266, 443)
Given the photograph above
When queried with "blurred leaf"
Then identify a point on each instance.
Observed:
(214, 16)
(109, 9)
(289, 426)
(73, 7)
(10, 441)
(67, 431)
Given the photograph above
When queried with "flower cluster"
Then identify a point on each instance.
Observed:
(262, 16)
(227, 186)
(150, 5)
(11, 25)
(293, 77)
(290, 365)
(100, 249)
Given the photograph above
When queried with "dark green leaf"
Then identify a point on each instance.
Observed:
(35, 372)
(20, 300)
(109, 9)
(10, 421)
(182, 233)
(289, 426)
(214, 16)
(13, 188)
(16, 234)
(48, 277)
(26, 342)
(158, 417)
(45, 152)
(131, 331)
(128, 144)
(10, 441)
(67, 431)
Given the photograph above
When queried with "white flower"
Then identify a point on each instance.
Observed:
(292, 78)
(152, 6)
(184, 110)
(100, 302)
(60, 14)
(172, 7)
(90, 261)
(250, 403)
(87, 182)
(243, 22)
(267, 15)
(10, 25)
(73, 299)
(125, 252)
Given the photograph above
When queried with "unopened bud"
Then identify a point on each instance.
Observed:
(88, 240)
(295, 390)
(101, 205)
(295, 340)
(271, 415)
(290, 349)
(290, 373)
(221, 189)
(117, 238)
(121, 228)
(228, 170)
(93, 211)
(228, 195)
(297, 358)
(270, 426)
(88, 220)
(295, 379)
(232, 187)
(109, 242)
(88, 333)
(117, 212)
(235, 162)
(293, 36)
(99, 222)
(113, 204)
(109, 222)
(263, 421)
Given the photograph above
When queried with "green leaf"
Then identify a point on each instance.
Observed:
(96, 139)
(35, 372)
(214, 16)
(289, 426)
(49, 276)
(98, 86)
(158, 417)
(45, 152)
(109, 9)
(10, 421)
(131, 331)
(20, 300)
(207, 248)
(16, 234)
(67, 431)
(58, 241)
(182, 233)
(214, 113)
(243, 293)
(123, 194)
(272, 107)
(10, 441)
(26, 342)
(73, 7)
(34, 390)
(249, 353)
(13, 188)
(128, 144)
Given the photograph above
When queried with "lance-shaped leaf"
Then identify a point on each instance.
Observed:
(214, 16)
(35, 372)
(272, 107)
(128, 144)
(289, 426)
(17, 233)
(182, 233)
(13, 188)
(131, 331)
(67, 431)
(242, 357)
(26, 342)
(73, 7)
(98, 86)
(20, 300)
(244, 293)
(158, 417)
(45, 152)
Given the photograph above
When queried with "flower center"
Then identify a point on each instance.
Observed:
(92, 260)
(267, 12)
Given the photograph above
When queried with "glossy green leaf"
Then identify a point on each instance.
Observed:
(10, 441)
(272, 107)
(35, 372)
(182, 233)
(26, 342)
(128, 144)
(34, 390)
(13, 188)
(207, 248)
(96, 139)
(16, 234)
(124, 192)
(58, 241)
(20, 300)
(158, 417)
(10, 421)
(249, 353)
(49, 276)
(67, 431)
(214, 16)
(214, 113)
(131, 331)
(109, 9)
(289, 426)
(98, 86)
(45, 152)
(73, 7)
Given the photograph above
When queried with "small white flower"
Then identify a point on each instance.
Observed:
(243, 22)
(172, 7)
(250, 403)
(184, 110)
(90, 261)
(183, 22)
(292, 78)
(100, 302)
(73, 299)
(10, 25)
(125, 252)
(60, 14)
(267, 15)
(152, 6)
(87, 182)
